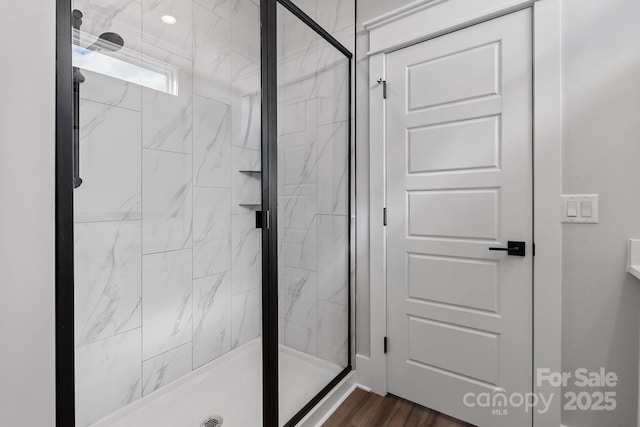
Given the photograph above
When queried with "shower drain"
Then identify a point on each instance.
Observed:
(215, 421)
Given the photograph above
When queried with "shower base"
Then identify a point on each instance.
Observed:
(230, 386)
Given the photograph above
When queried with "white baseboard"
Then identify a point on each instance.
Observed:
(330, 403)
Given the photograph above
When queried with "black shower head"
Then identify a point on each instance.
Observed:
(108, 42)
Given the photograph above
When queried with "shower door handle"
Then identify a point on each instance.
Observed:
(77, 79)
(76, 20)
(263, 219)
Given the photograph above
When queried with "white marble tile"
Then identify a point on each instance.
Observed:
(109, 164)
(165, 368)
(245, 187)
(111, 91)
(107, 279)
(247, 253)
(347, 37)
(167, 119)
(307, 6)
(333, 258)
(300, 169)
(211, 55)
(245, 28)
(299, 212)
(245, 317)
(176, 38)
(211, 318)
(333, 169)
(211, 143)
(298, 175)
(281, 257)
(298, 64)
(298, 308)
(280, 42)
(302, 338)
(123, 17)
(333, 86)
(167, 301)
(299, 45)
(300, 246)
(108, 376)
(298, 227)
(299, 117)
(219, 7)
(332, 332)
(281, 331)
(246, 102)
(211, 231)
(167, 201)
(334, 15)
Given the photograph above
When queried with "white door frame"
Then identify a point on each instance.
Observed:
(424, 20)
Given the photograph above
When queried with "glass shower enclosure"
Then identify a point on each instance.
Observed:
(203, 211)
(313, 189)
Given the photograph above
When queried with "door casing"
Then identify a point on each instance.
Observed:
(425, 20)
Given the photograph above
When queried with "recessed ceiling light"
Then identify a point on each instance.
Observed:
(168, 19)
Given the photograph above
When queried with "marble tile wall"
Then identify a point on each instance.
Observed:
(168, 264)
(313, 154)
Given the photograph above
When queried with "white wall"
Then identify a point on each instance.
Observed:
(601, 142)
(27, 143)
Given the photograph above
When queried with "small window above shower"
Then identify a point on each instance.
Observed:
(109, 55)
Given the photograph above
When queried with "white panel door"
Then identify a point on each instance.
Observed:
(459, 182)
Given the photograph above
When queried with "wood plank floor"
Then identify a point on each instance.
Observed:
(364, 409)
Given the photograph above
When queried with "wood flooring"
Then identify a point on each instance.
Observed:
(364, 409)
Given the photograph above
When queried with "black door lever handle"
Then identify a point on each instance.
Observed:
(513, 248)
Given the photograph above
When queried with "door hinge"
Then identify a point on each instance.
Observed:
(384, 87)
(385, 345)
(384, 217)
(534, 249)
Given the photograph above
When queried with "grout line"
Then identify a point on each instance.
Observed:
(142, 118)
(110, 105)
(212, 12)
(117, 334)
(193, 181)
(110, 221)
(169, 151)
(166, 351)
(167, 251)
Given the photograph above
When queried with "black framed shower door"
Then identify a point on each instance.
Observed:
(270, 186)
(64, 217)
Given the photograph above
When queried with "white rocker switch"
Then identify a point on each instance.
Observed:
(580, 208)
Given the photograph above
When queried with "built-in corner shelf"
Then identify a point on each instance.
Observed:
(250, 205)
(633, 263)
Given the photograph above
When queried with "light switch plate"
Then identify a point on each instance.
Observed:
(581, 203)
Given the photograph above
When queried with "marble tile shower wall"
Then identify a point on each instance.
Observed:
(167, 261)
(313, 150)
